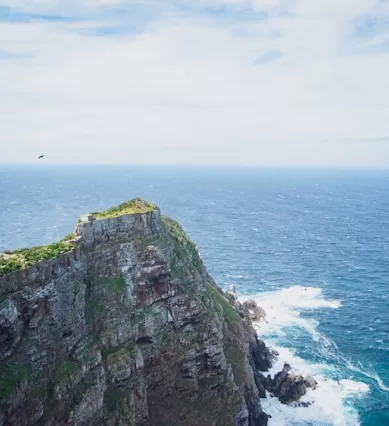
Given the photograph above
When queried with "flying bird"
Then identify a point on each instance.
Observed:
(41, 156)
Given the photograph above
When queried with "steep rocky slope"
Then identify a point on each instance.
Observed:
(124, 327)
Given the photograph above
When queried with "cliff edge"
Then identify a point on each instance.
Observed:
(120, 324)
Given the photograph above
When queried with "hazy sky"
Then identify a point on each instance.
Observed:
(274, 82)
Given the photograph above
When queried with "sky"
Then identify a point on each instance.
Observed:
(263, 82)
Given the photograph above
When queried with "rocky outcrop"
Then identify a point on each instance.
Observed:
(310, 382)
(253, 311)
(289, 387)
(127, 328)
(285, 385)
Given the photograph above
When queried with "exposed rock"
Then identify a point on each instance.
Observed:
(286, 385)
(127, 328)
(263, 357)
(253, 311)
(310, 382)
(304, 404)
(232, 292)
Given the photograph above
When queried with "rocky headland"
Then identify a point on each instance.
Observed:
(120, 324)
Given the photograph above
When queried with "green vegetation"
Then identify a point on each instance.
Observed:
(95, 315)
(129, 207)
(183, 246)
(177, 233)
(92, 306)
(229, 312)
(93, 309)
(10, 263)
(115, 285)
(65, 370)
(96, 305)
(12, 374)
(112, 398)
(20, 259)
(235, 357)
(118, 352)
(167, 337)
(233, 351)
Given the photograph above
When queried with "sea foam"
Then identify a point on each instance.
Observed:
(331, 401)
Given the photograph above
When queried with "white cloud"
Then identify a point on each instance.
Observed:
(192, 87)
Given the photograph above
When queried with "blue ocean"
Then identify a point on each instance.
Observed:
(311, 246)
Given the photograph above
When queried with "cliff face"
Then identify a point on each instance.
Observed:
(127, 328)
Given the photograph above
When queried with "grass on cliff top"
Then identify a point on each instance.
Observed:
(136, 205)
(20, 259)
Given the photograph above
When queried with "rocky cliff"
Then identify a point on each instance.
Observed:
(122, 325)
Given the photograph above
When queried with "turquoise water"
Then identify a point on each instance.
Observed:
(311, 246)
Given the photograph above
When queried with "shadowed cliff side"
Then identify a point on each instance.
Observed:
(122, 325)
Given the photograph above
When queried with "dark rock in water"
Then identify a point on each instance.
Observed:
(292, 389)
(262, 355)
(286, 386)
(260, 382)
(310, 382)
(262, 420)
(279, 378)
(269, 383)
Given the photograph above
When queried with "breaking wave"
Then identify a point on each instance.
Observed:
(331, 403)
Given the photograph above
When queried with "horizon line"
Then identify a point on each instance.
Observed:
(204, 165)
